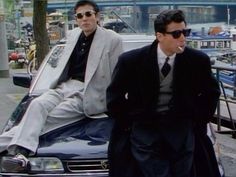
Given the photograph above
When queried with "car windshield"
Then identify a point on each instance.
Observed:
(49, 71)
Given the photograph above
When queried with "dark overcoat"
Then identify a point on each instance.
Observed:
(133, 95)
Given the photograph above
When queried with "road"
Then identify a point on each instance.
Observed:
(10, 95)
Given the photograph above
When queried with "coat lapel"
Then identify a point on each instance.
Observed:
(155, 71)
(179, 73)
(150, 75)
(95, 55)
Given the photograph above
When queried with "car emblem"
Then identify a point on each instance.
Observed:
(104, 164)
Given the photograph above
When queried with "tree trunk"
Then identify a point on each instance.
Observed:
(40, 30)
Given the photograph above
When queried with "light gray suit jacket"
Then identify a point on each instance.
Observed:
(104, 52)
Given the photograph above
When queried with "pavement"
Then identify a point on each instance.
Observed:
(10, 95)
(228, 154)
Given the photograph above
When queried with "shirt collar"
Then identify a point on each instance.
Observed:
(162, 57)
(87, 38)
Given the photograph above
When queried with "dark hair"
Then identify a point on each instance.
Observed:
(166, 17)
(86, 2)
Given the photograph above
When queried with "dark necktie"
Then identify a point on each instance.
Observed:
(166, 68)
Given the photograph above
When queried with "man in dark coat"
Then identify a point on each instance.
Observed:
(158, 95)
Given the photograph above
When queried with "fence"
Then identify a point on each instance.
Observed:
(228, 100)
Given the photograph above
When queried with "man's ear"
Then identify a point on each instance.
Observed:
(158, 36)
(98, 18)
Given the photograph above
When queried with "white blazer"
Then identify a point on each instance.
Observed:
(103, 56)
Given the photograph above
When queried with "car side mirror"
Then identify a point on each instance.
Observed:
(22, 79)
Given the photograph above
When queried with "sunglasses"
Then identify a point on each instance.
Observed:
(88, 13)
(176, 34)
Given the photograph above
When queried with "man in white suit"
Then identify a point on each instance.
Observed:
(91, 53)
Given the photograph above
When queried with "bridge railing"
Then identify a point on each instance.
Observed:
(133, 2)
(224, 115)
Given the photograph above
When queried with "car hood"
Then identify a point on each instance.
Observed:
(77, 141)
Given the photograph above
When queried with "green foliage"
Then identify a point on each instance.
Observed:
(9, 9)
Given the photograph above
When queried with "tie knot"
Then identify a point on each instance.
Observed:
(167, 59)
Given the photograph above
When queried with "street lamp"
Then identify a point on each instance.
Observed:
(135, 14)
(66, 17)
(4, 67)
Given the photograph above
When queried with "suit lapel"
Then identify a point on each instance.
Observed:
(71, 41)
(155, 70)
(95, 54)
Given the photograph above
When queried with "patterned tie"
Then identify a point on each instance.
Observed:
(166, 67)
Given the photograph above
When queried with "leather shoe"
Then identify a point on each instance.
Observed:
(18, 163)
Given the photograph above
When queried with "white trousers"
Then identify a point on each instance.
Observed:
(51, 110)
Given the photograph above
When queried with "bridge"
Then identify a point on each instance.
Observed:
(108, 3)
(193, 16)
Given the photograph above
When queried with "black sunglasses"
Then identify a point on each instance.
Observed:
(176, 34)
(88, 13)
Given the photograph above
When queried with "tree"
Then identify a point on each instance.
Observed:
(40, 30)
(9, 5)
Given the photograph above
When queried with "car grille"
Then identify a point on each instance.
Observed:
(87, 166)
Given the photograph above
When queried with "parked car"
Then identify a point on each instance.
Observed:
(65, 152)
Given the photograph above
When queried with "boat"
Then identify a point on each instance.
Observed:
(228, 77)
(221, 48)
(213, 45)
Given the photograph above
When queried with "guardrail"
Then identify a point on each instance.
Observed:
(230, 102)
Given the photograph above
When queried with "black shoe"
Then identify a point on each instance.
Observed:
(18, 163)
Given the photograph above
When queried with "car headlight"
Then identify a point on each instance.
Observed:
(46, 165)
